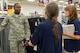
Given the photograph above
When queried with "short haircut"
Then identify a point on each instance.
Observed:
(15, 4)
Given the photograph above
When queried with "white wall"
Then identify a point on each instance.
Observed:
(26, 9)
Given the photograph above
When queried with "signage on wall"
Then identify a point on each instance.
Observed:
(3, 8)
(0, 5)
(10, 9)
(43, 2)
(3, 5)
(70, 1)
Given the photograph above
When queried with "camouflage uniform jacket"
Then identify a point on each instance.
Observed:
(19, 26)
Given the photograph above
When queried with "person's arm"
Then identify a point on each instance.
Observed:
(27, 29)
(76, 34)
(72, 36)
(38, 33)
(4, 23)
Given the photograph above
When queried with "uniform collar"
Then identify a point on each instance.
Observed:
(15, 15)
(71, 21)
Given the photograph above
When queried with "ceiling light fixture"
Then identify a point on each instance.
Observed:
(31, 0)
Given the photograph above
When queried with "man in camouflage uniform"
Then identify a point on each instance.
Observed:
(19, 29)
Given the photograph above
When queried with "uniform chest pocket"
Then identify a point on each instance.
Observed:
(16, 20)
(19, 21)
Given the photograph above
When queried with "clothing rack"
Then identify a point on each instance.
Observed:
(4, 42)
(33, 22)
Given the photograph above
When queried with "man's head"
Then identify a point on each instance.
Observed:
(17, 8)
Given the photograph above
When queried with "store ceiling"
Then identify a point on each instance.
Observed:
(26, 2)
(32, 3)
(23, 2)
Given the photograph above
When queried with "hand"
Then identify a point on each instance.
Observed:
(64, 33)
(77, 37)
(30, 44)
(26, 43)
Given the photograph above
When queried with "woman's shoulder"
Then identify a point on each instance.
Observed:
(46, 23)
(76, 21)
(42, 24)
(59, 24)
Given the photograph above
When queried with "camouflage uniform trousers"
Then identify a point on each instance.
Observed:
(16, 47)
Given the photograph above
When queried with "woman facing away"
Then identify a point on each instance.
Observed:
(72, 45)
(48, 35)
